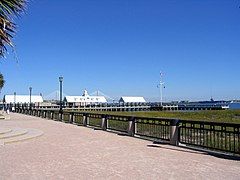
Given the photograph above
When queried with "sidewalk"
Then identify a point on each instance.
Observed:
(68, 151)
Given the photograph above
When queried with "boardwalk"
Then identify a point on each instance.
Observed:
(67, 151)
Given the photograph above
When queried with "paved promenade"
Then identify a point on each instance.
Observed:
(68, 151)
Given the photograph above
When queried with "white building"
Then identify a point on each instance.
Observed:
(84, 100)
(22, 99)
(127, 99)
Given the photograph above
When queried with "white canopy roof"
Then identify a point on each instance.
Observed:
(132, 99)
(22, 99)
(88, 99)
(85, 98)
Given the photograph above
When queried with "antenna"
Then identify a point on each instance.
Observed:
(161, 86)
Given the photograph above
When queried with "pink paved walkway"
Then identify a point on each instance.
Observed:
(72, 152)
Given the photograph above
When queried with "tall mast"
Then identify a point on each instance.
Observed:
(161, 88)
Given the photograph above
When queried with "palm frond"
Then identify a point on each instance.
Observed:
(8, 10)
(2, 81)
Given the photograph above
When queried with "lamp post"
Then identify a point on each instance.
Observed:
(14, 100)
(60, 80)
(30, 92)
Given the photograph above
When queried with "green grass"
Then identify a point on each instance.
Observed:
(227, 116)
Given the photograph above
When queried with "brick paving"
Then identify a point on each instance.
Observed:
(68, 151)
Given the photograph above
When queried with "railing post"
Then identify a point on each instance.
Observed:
(104, 122)
(47, 114)
(174, 132)
(85, 119)
(52, 115)
(131, 126)
(71, 116)
(44, 114)
(60, 115)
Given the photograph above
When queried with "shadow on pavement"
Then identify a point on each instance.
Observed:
(196, 151)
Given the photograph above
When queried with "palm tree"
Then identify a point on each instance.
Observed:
(8, 10)
(2, 81)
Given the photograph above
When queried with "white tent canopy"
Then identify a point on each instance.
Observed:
(22, 99)
(133, 99)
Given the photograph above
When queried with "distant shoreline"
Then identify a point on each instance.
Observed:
(234, 105)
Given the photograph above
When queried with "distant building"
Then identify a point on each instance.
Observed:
(22, 99)
(84, 100)
(133, 99)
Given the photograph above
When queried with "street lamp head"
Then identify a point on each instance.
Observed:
(60, 78)
(30, 88)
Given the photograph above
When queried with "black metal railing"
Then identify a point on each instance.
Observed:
(56, 115)
(215, 136)
(66, 117)
(78, 118)
(49, 114)
(153, 128)
(94, 120)
(223, 137)
(118, 123)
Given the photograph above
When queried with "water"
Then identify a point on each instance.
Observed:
(234, 106)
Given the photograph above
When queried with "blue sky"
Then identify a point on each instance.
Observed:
(120, 47)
